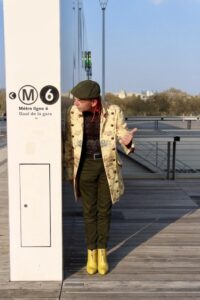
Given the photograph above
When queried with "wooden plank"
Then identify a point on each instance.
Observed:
(29, 298)
(30, 289)
(134, 286)
(32, 298)
(153, 276)
(131, 296)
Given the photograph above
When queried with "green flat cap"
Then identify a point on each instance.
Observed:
(86, 90)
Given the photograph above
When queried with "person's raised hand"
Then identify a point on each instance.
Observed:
(127, 138)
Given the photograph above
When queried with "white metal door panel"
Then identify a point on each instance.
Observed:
(35, 205)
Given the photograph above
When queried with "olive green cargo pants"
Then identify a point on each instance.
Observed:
(95, 193)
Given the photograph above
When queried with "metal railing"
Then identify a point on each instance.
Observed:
(161, 122)
(3, 126)
(168, 145)
(158, 154)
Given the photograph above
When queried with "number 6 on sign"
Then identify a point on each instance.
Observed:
(49, 94)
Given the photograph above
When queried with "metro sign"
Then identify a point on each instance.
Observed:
(28, 94)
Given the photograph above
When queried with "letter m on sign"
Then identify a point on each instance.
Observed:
(28, 94)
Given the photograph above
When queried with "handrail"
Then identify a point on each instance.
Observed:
(162, 118)
(157, 119)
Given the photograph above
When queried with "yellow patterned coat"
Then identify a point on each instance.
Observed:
(112, 128)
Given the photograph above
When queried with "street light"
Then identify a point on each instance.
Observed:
(74, 45)
(103, 4)
(79, 36)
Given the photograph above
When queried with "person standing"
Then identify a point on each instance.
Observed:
(93, 165)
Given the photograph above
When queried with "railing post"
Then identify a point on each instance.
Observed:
(156, 154)
(168, 158)
(189, 124)
(176, 139)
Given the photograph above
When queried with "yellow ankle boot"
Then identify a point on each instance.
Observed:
(91, 266)
(102, 262)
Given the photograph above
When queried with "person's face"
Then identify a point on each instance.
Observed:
(84, 105)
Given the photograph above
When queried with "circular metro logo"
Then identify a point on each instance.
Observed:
(28, 94)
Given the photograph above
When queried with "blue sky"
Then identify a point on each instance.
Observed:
(150, 44)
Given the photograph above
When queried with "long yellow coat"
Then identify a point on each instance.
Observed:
(112, 128)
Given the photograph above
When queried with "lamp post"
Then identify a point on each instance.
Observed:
(103, 4)
(74, 45)
(79, 36)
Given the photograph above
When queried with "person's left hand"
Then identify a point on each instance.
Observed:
(127, 138)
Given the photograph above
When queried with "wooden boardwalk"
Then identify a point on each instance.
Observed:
(154, 248)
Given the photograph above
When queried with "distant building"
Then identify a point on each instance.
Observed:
(122, 94)
(144, 95)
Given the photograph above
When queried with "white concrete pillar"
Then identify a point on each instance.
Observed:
(32, 51)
